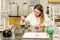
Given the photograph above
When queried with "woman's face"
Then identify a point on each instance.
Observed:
(37, 12)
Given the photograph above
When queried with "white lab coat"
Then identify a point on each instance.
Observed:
(34, 21)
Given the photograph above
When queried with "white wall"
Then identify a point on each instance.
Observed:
(0, 5)
(45, 4)
(3, 5)
(0, 15)
(56, 8)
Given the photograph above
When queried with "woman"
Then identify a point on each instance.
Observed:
(38, 18)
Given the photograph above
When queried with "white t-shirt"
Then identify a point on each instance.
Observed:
(34, 21)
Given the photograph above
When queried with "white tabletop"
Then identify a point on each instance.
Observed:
(35, 35)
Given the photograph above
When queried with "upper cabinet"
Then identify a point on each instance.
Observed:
(53, 0)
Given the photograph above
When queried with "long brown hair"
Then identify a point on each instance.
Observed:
(40, 8)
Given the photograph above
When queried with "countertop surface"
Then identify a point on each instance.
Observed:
(17, 36)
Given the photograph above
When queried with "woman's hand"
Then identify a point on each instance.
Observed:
(40, 26)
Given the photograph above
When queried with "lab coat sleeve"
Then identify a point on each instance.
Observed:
(27, 19)
(48, 22)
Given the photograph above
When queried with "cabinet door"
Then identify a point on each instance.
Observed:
(14, 21)
(13, 10)
(54, 0)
